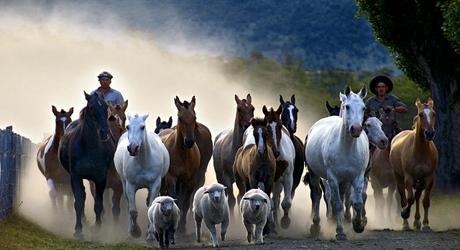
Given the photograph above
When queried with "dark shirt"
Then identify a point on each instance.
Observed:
(113, 96)
(373, 104)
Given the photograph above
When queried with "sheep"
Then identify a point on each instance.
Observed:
(211, 205)
(256, 208)
(164, 217)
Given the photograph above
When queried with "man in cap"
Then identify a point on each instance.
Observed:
(110, 95)
(381, 86)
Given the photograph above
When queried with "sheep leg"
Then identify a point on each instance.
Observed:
(161, 237)
(212, 229)
(248, 227)
(223, 228)
(259, 229)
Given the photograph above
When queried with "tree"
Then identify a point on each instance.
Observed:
(423, 36)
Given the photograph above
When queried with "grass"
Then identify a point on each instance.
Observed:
(18, 233)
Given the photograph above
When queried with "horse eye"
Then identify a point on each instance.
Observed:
(143, 127)
(347, 106)
(127, 127)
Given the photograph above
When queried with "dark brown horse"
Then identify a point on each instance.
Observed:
(47, 159)
(183, 175)
(86, 151)
(228, 142)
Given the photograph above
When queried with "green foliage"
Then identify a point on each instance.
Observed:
(451, 26)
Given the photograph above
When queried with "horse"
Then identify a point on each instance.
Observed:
(337, 151)
(57, 178)
(284, 151)
(289, 119)
(162, 125)
(141, 160)
(255, 162)
(381, 171)
(183, 175)
(116, 121)
(86, 152)
(333, 111)
(414, 158)
(228, 142)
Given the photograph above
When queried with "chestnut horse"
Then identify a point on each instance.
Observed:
(228, 142)
(183, 175)
(47, 159)
(414, 158)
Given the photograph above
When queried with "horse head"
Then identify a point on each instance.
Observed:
(260, 134)
(333, 111)
(186, 122)
(377, 137)
(389, 124)
(117, 113)
(97, 112)
(275, 126)
(426, 118)
(136, 133)
(289, 114)
(244, 111)
(63, 118)
(162, 125)
(352, 110)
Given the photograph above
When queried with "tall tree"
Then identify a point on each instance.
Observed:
(423, 36)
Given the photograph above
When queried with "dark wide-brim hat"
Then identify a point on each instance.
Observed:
(105, 74)
(383, 79)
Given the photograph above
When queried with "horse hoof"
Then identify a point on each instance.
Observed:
(417, 225)
(347, 218)
(341, 236)
(405, 213)
(426, 229)
(358, 226)
(406, 227)
(136, 232)
(315, 230)
(285, 222)
(78, 235)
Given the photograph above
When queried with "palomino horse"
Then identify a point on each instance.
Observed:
(333, 111)
(116, 120)
(336, 150)
(162, 125)
(86, 152)
(47, 158)
(289, 119)
(228, 142)
(182, 178)
(284, 152)
(255, 163)
(414, 158)
(141, 160)
(381, 171)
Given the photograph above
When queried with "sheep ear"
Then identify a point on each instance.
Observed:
(246, 198)
(265, 201)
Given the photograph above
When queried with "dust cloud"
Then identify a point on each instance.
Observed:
(52, 59)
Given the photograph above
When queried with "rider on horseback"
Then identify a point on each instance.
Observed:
(110, 95)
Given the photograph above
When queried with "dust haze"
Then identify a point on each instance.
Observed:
(51, 57)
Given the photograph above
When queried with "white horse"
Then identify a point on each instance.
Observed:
(141, 160)
(337, 151)
(284, 150)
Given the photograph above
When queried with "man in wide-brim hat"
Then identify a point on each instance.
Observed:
(381, 86)
(110, 95)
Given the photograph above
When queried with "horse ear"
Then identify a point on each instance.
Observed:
(249, 98)
(125, 106)
(281, 99)
(54, 109)
(192, 103)
(328, 106)
(70, 111)
(430, 102)
(363, 92)
(87, 97)
(293, 99)
(347, 91)
(158, 121)
(342, 97)
(144, 117)
(279, 110)
(177, 102)
(253, 122)
(417, 102)
(237, 99)
(264, 109)
(129, 117)
(170, 121)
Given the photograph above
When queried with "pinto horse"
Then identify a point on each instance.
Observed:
(337, 151)
(414, 158)
(162, 125)
(289, 119)
(86, 152)
(228, 142)
(182, 178)
(284, 152)
(381, 172)
(47, 158)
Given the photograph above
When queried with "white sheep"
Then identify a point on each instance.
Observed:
(164, 217)
(211, 205)
(256, 209)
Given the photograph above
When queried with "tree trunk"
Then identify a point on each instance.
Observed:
(447, 138)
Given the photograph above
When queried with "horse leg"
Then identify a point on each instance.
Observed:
(405, 213)
(198, 220)
(378, 197)
(417, 224)
(187, 190)
(228, 182)
(116, 198)
(364, 195)
(337, 205)
(133, 227)
(154, 190)
(79, 193)
(241, 189)
(98, 201)
(391, 191)
(346, 197)
(276, 200)
(315, 196)
(426, 202)
(402, 196)
(287, 200)
(358, 204)
(327, 199)
(52, 193)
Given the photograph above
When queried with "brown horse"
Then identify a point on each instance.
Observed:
(183, 175)
(228, 142)
(47, 159)
(414, 158)
(117, 126)
(255, 163)
(381, 171)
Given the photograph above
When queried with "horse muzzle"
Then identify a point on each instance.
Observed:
(188, 143)
(429, 134)
(355, 130)
(133, 149)
(383, 143)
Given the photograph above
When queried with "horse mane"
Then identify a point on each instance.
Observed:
(258, 122)
(415, 121)
(83, 113)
